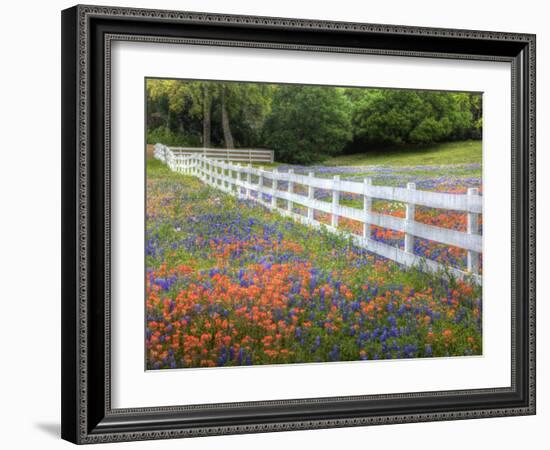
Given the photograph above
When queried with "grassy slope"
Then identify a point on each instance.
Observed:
(461, 152)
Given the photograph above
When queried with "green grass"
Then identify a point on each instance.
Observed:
(157, 168)
(460, 152)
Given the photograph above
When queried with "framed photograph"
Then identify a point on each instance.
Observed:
(281, 224)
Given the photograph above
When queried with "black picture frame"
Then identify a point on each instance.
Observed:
(87, 32)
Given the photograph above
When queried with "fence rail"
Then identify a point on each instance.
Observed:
(238, 180)
(250, 155)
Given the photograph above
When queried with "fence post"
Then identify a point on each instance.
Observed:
(226, 172)
(234, 179)
(290, 189)
(260, 183)
(210, 173)
(213, 179)
(335, 200)
(248, 180)
(213, 175)
(230, 176)
(409, 217)
(238, 180)
(473, 228)
(367, 209)
(274, 188)
(310, 196)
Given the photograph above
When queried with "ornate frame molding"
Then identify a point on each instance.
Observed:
(77, 423)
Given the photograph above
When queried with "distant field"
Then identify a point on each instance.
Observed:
(461, 152)
(448, 153)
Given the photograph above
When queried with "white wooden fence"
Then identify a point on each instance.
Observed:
(249, 155)
(237, 179)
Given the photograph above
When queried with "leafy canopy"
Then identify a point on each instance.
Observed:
(308, 123)
(394, 117)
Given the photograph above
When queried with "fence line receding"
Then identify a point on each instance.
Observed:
(237, 179)
(251, 155)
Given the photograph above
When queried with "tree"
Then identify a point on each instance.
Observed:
(227, 136)
(179, 103)
(244, 108)
(398, 116)
(308, 123)
(229, 113)
(476, 107)
(207, 121)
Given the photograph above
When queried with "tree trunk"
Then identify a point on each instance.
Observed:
(206, 119)
(227, 136)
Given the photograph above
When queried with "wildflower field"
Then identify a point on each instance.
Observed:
(230, 283)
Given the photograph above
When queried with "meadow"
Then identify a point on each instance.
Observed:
(456, 152)
(230, 283)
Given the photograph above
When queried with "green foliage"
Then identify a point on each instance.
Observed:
(167, 137)
(308, 123)
(248, 106)
(176, 95)
(179, 107)
(396, 117)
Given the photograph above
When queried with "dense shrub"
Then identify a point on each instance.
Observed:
(167, 137)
